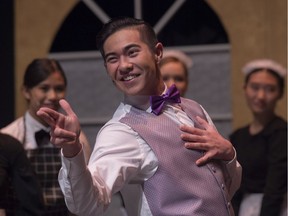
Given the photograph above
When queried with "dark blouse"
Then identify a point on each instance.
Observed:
(16, 169)
(263, 157)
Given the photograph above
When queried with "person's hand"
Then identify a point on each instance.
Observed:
(65, 129)
(208, 140)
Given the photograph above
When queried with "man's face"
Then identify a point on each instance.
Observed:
(130, 63)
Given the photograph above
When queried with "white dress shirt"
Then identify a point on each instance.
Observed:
(24, 129)
(120, 156)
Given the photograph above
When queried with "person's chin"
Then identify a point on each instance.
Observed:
(53, 107)
(260, 111)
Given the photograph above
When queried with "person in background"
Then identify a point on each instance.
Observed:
(44, 85)
(262, 144)
(144, 146)
(16, 170)
(174, 67)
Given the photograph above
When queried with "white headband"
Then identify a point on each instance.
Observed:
(180, 56)
(264, 64)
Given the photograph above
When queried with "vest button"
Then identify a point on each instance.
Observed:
(213, 169)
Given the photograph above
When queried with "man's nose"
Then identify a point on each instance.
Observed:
(125, 65)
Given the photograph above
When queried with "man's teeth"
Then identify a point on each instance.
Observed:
(129, 78)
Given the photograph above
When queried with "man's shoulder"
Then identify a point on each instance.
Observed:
(188, 100)
(191, 105)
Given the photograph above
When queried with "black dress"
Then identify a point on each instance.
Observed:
(15, 169)
(263, 157)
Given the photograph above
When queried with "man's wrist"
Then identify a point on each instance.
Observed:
(71, 151)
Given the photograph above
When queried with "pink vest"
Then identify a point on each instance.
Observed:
(179, 187)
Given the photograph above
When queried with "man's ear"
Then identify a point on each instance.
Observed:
(158, 51)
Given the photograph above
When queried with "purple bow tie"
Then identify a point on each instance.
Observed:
(157, 102)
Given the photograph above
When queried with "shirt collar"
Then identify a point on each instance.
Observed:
(127, 107)
(33, 124)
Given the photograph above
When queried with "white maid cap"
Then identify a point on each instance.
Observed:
(179, 55)
(264, 64)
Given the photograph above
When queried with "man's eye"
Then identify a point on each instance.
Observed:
(132, 53)
(111, 59)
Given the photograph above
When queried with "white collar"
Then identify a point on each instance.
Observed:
(33, 124)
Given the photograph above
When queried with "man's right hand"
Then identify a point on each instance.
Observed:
(65, 129)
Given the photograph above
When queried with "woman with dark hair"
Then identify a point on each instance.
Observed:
(262, 144)
(44, 85)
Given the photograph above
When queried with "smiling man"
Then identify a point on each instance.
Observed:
(156, 156)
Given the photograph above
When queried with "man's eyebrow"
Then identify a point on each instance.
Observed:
(130, 46)
(125, 49)
(108, 54)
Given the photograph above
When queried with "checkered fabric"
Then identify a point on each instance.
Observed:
(46, 162)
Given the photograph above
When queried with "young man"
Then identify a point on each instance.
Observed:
(142, 163)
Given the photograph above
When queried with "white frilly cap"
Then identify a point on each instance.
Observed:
(179, 55)
(264, 64)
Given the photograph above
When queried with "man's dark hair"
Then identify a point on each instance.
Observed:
(147, 33)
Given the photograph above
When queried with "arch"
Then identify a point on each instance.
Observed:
(178, 23)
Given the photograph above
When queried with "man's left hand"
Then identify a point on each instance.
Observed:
(208, 140)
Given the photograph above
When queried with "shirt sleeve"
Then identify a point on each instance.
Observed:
(234, 170)
(86, 146)
(75, 180)
(118, 157)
